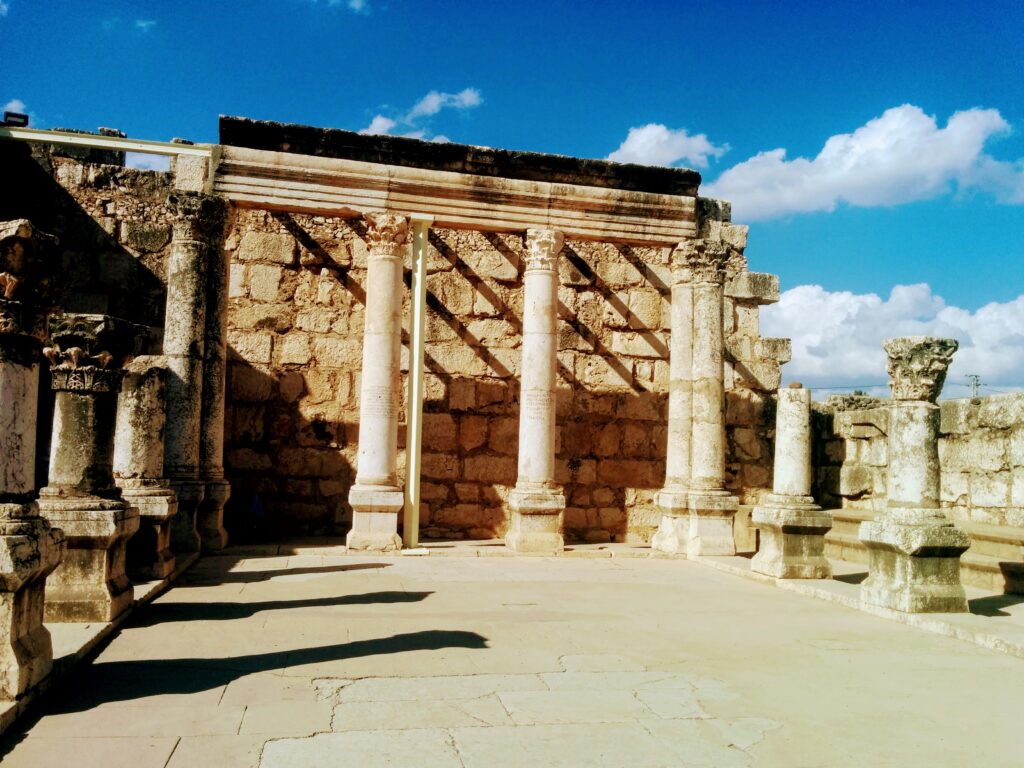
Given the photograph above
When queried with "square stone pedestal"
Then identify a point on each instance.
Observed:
(91, 583)
(711, 522)
(29, 551)
(374, 519)
(792, 538)
(536, 525)
(149, 551)
(184, 535)
(674, 529)
(210, 516)
(914, 568)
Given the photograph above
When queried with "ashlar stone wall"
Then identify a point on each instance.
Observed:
(296, 318)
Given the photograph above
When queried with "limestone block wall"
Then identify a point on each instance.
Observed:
(295, 343)
(981, 454)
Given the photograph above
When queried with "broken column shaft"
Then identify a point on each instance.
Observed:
(376, 497)
(914, 549)
(537, 502)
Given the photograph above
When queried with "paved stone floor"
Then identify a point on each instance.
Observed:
(317, 660)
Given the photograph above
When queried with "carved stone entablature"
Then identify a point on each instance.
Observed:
(701, 261)
(387, 233)
(918, 365)
(542, 248)
(852, 402)
(88, 351)
(197, 216)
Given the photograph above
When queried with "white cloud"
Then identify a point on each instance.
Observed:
(842, 346)
(144, 25)
(358, 6)
(426, 107)
(14, 105)
(4, 8)
(655, 144)
(900, 157)
(146, 162)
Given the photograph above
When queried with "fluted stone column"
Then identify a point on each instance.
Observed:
(537, 502)
(674, 530)
(81, 497)
(198, 227)
(217, 490)
(914, 549)
(712, 508)
(792, 526)
(139, 466)
(376, 497)
(29, 547)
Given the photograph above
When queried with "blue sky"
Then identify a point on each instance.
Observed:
(908, 117)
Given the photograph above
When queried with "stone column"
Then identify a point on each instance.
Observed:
(217, 490)
(198, 222)
(376, 497)
(537, 502)
(29, 548)
(674, 530)
(792, 526)
(139, 466)
(712, 508)
(914, 550)
(80, 497)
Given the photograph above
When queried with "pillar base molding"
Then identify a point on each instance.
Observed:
(374, 518)
(711, 523)
(536, 525)
(29, 551)
(210, 515)
(793, 532)
(184, 535)
(90, 584)
(914, 568)
(149, 554)
(674, 530)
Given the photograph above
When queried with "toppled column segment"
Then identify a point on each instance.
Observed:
(792, 526)
(537, 502)
(376, 497)
(29, 547)
(85, 367)
(913, 547)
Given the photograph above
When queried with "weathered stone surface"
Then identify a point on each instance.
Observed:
(276, 247)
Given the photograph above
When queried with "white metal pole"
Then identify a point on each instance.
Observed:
(414, 417)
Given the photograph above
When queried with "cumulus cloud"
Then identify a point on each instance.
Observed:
(842, 347)
(435, 101)
(655, 144)
(14, 105)
(900, 157)
(146, 162)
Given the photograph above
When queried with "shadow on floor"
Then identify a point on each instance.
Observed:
(207, 577)
(993, 604)
(164, 612)
(851, 578)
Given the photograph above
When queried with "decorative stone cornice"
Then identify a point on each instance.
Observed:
(542, 248)
(702, 261)
(387, 233)
(918, 365)
(197, 216)
(87, 353)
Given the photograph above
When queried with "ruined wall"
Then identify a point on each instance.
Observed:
(981, 454)
(296, 321)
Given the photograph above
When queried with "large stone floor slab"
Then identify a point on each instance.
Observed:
(268, 659)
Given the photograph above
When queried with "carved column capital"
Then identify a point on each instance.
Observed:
(23, 290)
(387, 233)
(197, 216)
(87, 352)
(542, 248)
(918, 366)
(702, 261)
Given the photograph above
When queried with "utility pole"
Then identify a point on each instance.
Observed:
(975, 380)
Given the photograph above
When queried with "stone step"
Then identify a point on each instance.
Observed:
(1001, 541)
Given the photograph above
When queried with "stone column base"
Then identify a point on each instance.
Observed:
(149, 555)
(210, 515)
(374, 519)
(793, 532)
(184, 535)
(29, 551)
(914, 568)
(674, 530)
(536, 525)
(711, 521)
(90, 584)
